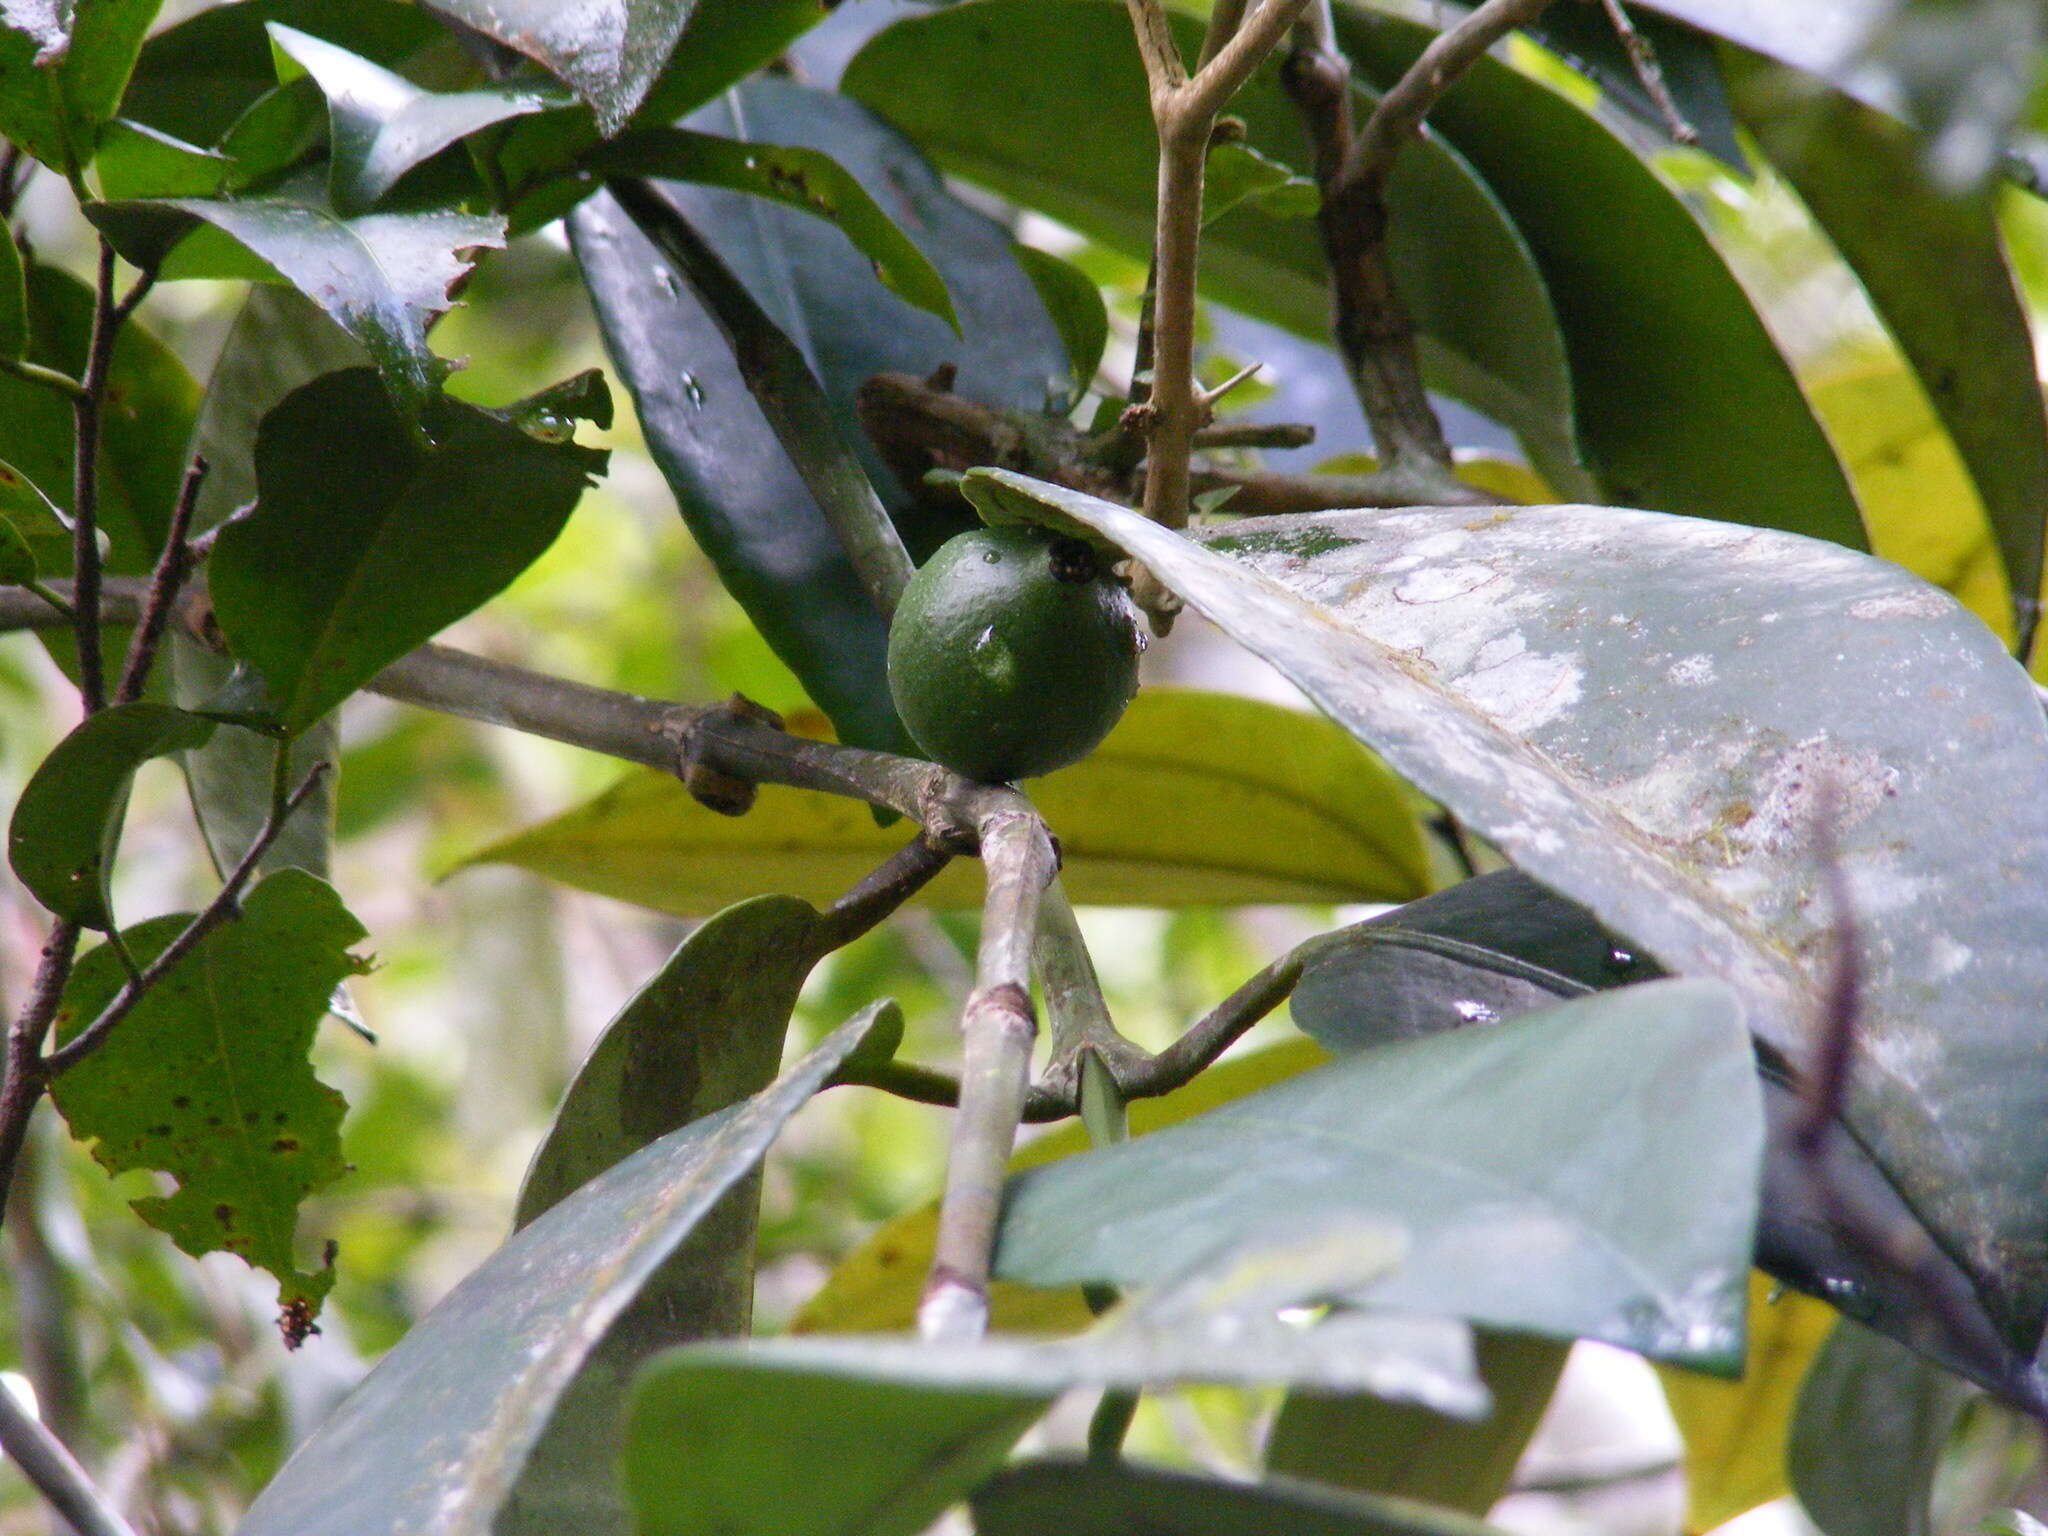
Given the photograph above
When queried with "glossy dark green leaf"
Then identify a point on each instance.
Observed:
(1367, 1445)
(381, 125)
(743, 500)
(1686, 61)
(1500, 945)
(1934, 266)
(1647, 714)
(705, 1032)
(67, 823)
(13, 300)
(136, 160)
(762, 1434)
(434, 1437)
(196, 78)
(1868, 1435)
(610, 51)
(1488, 332)
(797, 178)
(1517, 1219)
(384, 277)
(62, 71)
(279, 341)
(1683, 401)
(208, 1079)
(1075, 305)
(367, 543)
(1114, 1498)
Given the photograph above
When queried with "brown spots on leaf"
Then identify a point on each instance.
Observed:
(225, 1215)
(285, 1144)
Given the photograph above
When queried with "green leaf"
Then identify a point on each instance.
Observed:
(1488, 333)
(384, 277)
(67, 822)
(62, 71)
(1194, 799)
(13, 300)
(207, 1080)
(1867, 1437)
(279, 341)
(381, 125)
(761, 1431)
(435, 1435)
(196, 78)
(1935, 268)
(797, 178)
(744, 501)
(1461, 648)
(17, 560)
(150, 401)
(609, 51)
(367, 542)
(33, 520)
(1075, 305)
(1650, 312)
(875, 1289)
(737, 1404)
(1113, 1498)
(1369, 1446)
(1514, 946)
(705, 1032)
(1237, 173)
(1517, 1220)
(136, 160)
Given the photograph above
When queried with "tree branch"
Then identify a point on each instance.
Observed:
(173, 565)
(998, 1027)
(55, 1472)
(1398, 117)
(1184, 114)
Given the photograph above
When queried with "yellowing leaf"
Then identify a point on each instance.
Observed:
(876, 1287)
(1734, 1431)
(1196, 798)
(1918, 501)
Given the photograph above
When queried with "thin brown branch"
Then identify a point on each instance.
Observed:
(906, 872)
(1399, 116)
(1225, 16)
(173, 565)
(1184, 113)
(1642, 58)
(55, 1472)
(85, 483)
(1256, 434)
(27, 1074)
(209, 917)
(997, 1030)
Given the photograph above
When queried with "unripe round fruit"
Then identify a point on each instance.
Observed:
(1012, 653)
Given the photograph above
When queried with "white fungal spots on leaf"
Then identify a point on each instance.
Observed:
(1691, 671)
(1911, 603)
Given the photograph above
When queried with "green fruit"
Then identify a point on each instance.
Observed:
(1012, 653)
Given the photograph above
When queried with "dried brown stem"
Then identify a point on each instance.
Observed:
(173, 565)
(1374, 332)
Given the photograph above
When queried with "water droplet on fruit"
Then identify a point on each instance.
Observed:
(1475, 1013)
(693, 391)
(1619, 959)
